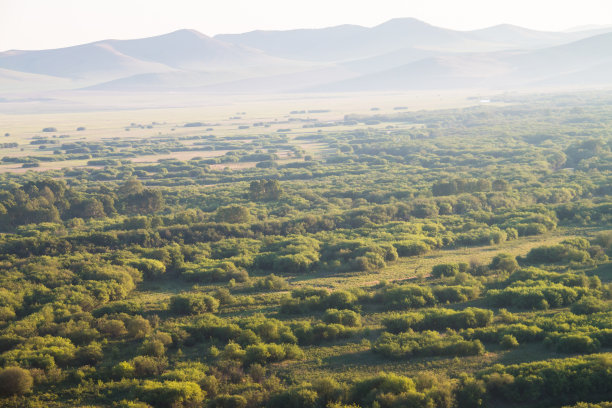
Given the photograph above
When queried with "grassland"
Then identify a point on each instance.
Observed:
(298, 251)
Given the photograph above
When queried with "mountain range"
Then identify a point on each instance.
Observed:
(401, 54)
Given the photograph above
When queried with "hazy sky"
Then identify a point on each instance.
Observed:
(39, 24)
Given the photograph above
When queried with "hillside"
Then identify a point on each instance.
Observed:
(582, 62)
(399, 54)
(175, 54)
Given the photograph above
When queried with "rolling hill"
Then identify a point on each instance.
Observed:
(584, 62)
(102, 61)
(399, 54)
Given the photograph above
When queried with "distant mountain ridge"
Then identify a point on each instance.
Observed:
(587, 61)
(183, 49)
(355, 42)
(399, 54)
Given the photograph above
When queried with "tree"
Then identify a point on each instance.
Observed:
(265, 190)
(90, 354)
(88, 208)
(15, 381)
(146, 366)
(504, 262)
(228, 401)
(508, 341)
(112, 327)
(131, 186)
(151, 268)
(470, 393)
(138, 327)
(147, 201)
(588, 305)
(233, 214)
(444, 270)
(192, 303)
(500, 185)
(153, 348)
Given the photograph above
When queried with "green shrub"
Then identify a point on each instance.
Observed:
(574, 343)
(508, 341)
(411, 248)
(228, 401)
(555, 382)
(145, 366)
(445, 270)
(171, 394)
(343, 317)
(589, 305)
(405, 296)
(504, 262)
(470, 393)
(15, 381)
(438, 319)
(297, 397)
(193, 303)
(428, 343)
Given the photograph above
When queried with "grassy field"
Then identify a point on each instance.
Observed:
(243, 249)
(227, 119)
(414, 267)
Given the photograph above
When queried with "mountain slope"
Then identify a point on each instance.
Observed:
(511, 36)
(15, 81)
(388, 60)
(189, 49)
(409, 32)
(96, 59)
(326, 44)
(348, 42)
(398, 54)
(112, 59)
(441, 72)
(580, 63)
